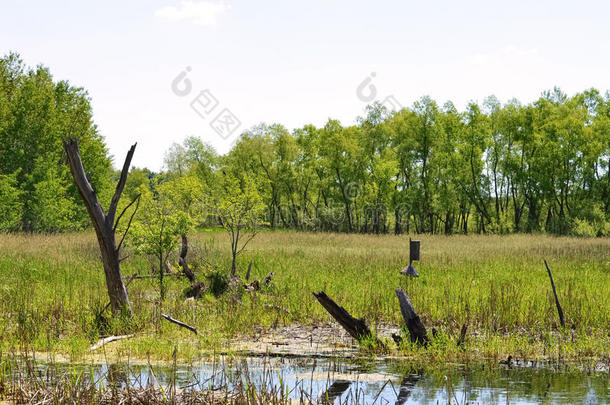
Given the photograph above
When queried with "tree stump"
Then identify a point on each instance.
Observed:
(357, 328)
(416, 328)
(188, 272)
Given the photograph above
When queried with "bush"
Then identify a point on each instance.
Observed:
(583, 228)
(219, 282)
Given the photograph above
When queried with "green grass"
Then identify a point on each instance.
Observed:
(52, 290)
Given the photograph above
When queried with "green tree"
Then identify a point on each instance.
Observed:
(10, 203)
(240, 210)
(35, 114)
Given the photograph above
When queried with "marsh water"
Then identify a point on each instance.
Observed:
(366, 381)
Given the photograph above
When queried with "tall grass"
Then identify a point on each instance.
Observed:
(52, 291)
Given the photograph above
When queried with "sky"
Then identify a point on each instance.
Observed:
(158, 71)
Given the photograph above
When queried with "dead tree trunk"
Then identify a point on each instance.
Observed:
(188, 272)
(416, 328)
(104, 224)
(559, 310)
(357, 328)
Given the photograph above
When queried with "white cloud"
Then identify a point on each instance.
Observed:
(197, 12)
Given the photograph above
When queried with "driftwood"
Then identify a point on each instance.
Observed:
(109, 339)
(559, 310)
(357, 328)
(182, 324)
(105, 223)
(416, 328)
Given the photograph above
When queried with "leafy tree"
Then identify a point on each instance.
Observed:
(240, 210)
(155, 231)
(10, 203)
(51, 206)
(35, 114)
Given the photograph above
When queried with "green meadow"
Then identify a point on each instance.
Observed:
(53, 294)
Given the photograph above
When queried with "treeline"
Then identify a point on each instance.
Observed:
(490, 169)
(493, 168)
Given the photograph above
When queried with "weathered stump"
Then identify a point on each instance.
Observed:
(188, 272)
(196, 290)
(416, 328)
(267, 279)
(357, 328)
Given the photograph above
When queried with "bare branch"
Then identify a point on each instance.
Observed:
(247, 241)
(129, 224)
(124, 210)
(179, 323)
(120, 185)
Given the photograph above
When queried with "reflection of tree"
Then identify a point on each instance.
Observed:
(117, 376)
(406, 386)
(334, 391)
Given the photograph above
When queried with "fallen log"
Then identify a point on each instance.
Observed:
(109, 339)
(182, 324)
(357, 328)
(559, 310)
(416, 328)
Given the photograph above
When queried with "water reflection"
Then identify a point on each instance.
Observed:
(342, 381)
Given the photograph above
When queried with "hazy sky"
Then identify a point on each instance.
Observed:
(298, 62)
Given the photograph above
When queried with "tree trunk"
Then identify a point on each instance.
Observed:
(562, 320)
(357, 328)
(104, 224)
(417, 331)
(188, 272)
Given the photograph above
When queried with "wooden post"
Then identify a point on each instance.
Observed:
(559, 310)
(104, 223)
(357, 328)
(416, 328)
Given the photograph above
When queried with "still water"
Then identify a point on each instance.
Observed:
(366, 382)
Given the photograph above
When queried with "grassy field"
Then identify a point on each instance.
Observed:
(52, 293)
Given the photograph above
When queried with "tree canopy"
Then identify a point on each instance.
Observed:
(35, 114)
(491, 168)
